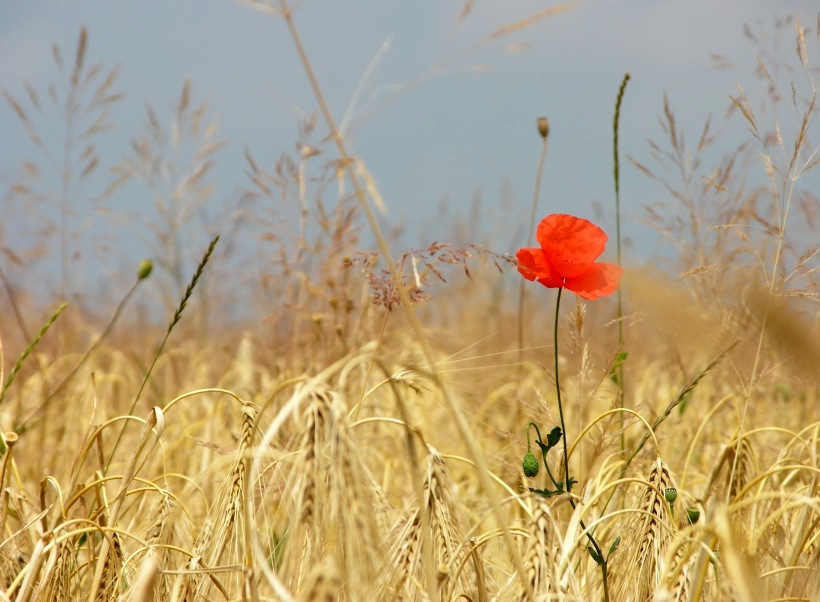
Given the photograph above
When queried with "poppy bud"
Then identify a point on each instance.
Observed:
(144, 269)
(530, 465)
(692, 515)
(543, 127)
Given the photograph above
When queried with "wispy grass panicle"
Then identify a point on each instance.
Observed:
(55, 184)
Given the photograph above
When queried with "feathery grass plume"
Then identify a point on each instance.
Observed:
(417, 269)
(541, 556)
(175, 162)
(84, 98)
(639, 569)
(222, 538)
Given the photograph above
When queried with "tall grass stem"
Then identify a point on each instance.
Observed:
(543, 127)
(177, 315)
(617, 178)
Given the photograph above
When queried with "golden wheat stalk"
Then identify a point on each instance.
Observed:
(223, 532)
(639, 570)
(540, 557)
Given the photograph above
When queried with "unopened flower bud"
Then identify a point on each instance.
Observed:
(144, 269)
(543, 127)
(530, 465)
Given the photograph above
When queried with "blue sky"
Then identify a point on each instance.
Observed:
(462, 111)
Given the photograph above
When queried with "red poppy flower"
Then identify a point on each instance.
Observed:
(569, 247)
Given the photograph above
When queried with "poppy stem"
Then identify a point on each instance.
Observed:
(558, 392)
(598, 554)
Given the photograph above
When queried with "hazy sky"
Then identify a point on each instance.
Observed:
(462, 110)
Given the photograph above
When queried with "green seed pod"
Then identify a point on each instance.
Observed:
(671, 495)
(531, 465)
(692, 515)
(144, 269)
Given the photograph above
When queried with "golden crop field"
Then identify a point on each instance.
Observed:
(428, 423)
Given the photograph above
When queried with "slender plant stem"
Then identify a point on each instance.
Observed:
(522, 291)
(567, 479)
(85, 357)
(558, 393)
(177, 316)
(617, 177)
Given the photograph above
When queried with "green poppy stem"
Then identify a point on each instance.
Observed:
(599, 555)
(558, 392)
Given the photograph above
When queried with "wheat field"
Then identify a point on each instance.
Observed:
(364, 439)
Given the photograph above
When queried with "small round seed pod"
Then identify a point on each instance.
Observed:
(671, 494)
(144, 269)
(530, 465)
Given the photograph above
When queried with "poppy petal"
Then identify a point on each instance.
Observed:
(571, 244)
(533, 265)
(600, 280)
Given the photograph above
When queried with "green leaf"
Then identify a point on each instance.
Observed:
(546, 492)
(616, 366)
(554, 436)
(614, 545)
(595, 556)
